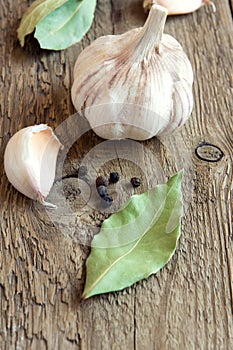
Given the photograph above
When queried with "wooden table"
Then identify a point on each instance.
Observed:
(188, 304)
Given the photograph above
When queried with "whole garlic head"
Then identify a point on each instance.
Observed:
(135, 85)
(30, 161)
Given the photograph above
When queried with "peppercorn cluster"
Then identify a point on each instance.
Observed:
(102, 183)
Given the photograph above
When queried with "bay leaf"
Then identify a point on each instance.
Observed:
(34, 14)
(66, 25)
(137, 241)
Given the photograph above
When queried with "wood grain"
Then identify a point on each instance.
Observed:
(188, 304)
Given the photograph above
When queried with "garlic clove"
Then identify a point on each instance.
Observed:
(176, 7)
(30, 161)
(182, 105)
(126, 84)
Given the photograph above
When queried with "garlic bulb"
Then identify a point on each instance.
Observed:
(30, 160)
(135, 85)
(176, 7)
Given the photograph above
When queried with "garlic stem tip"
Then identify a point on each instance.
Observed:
(159, 8)
(49, 205)
(213, 6)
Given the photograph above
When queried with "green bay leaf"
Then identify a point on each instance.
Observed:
(137, 241)
(35, 13)
(66, 25)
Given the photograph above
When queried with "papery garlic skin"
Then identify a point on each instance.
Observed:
(177, 7)
(135, 85)
(30, 160)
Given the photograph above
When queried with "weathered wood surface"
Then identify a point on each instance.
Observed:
(188, 304)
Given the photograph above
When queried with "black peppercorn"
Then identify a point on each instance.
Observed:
(102, 191)
(114, 177)
(107, 201)
(82, 171)
(135, 181)
(108, 198)
(101, 181)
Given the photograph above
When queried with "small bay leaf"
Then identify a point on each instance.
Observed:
(137, 241)
(66, 25)
(35, 13)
